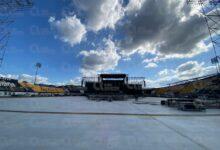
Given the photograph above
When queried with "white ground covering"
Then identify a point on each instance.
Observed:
(54, 131)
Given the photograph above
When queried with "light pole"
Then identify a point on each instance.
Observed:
(38, 66)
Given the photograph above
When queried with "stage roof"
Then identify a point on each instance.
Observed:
(113, 75)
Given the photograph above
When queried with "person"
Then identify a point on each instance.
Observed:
(136, 97)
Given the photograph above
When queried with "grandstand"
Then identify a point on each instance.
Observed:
(10, 87)
(206, 86)
(43, 90)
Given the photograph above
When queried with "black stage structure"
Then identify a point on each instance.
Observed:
(113, 86)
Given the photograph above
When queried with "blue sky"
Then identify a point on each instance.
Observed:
(82, 38)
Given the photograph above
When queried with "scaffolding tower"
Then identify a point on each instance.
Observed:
(211, 12)
(7, 9)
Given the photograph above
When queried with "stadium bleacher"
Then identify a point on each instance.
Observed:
(43, 90)
(208, 86)
(10, 87)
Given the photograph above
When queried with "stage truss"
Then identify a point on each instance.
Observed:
(210, 9)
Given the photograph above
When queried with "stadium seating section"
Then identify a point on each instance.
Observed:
(42, 88)
(10, 85)
(208, 86)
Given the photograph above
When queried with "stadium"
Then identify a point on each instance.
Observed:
(116, 84)
(109, 74)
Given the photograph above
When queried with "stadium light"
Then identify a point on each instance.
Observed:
(38, 66)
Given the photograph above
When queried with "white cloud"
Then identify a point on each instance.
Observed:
(27, 78)
(134, 5)
(168, 29)
(75, 81)
(99, 60)
(185, 71)
(163, 73)
(68, 29)
(30, 78)
(188, 70)
(126, 59)
(201, 47)
(100, 13)
(193, 69)
(152, 83)
(151, 65)
(10, 76)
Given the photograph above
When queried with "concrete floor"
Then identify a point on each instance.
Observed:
(25, 131)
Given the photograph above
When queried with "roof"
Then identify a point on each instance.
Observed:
(113, 75)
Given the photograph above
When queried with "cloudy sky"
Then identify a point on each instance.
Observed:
(162, 40)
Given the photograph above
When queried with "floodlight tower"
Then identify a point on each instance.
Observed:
(210, 9)
(7, 8)
(38, 66)
(3, 45)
